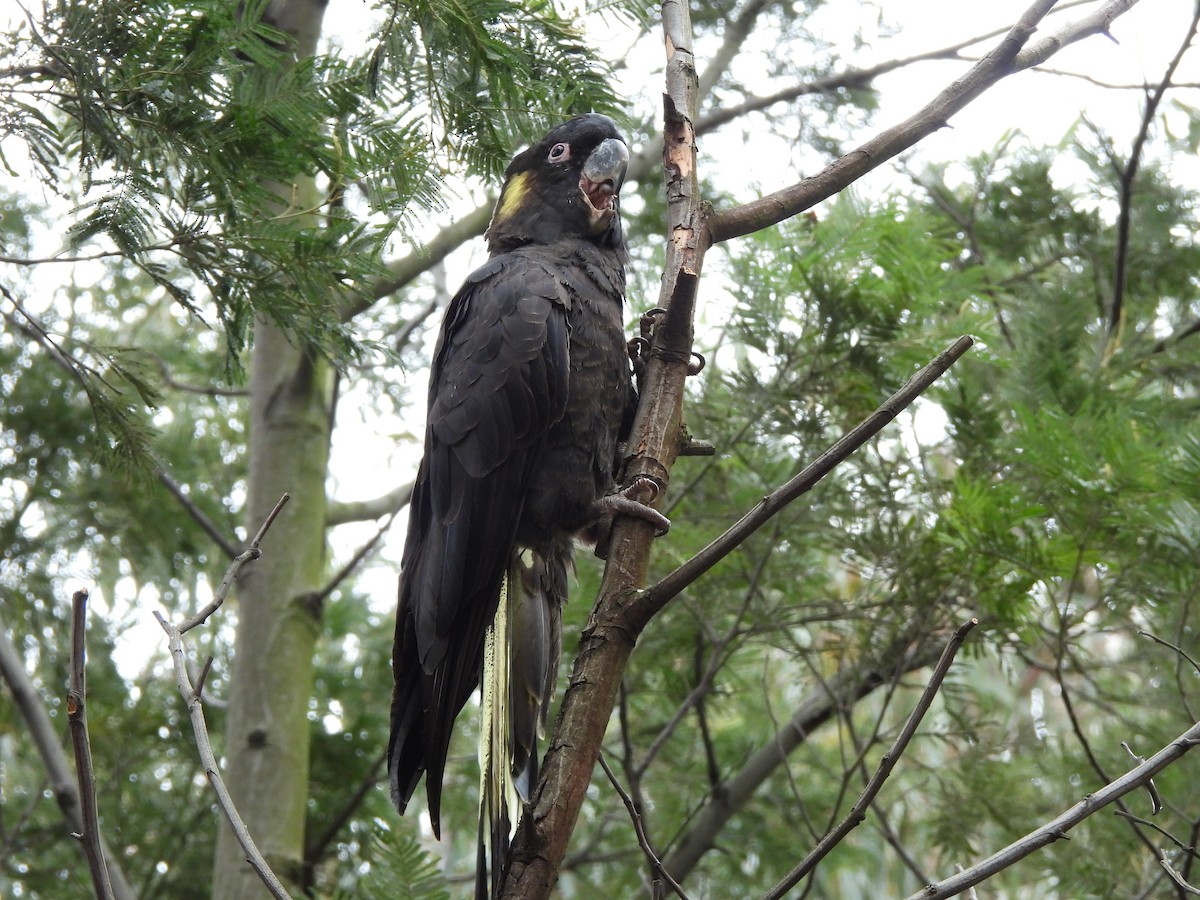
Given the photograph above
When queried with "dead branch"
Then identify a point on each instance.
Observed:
(1001, 62)
(858, 812)
(658, 595)
(1057, 828)
(54, 759)
(89, 835)
(643, 841)
(191, 697)
(251, 553)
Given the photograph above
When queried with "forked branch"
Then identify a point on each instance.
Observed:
(191, 697)
(858, 811)
(1057, 828)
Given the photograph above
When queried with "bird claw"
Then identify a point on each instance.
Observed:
(650, 320)
(638, 349)
(634, 501)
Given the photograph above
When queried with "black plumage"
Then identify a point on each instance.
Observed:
(529, 385)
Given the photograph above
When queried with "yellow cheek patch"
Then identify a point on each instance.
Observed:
(513, 195)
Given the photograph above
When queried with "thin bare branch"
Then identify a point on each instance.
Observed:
(250, 553)
(209, 759)
(1057, 828)
(1002, 61)
(89, 836)
(1186, 848)
(207, 525)
(858, 811)
(318, 596)
(195, 706)
(850, 683)
(658, 595)
(54, 759)
(1129, 174)
(1176, 876)
(643, 841)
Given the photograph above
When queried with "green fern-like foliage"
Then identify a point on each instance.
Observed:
(244, 178)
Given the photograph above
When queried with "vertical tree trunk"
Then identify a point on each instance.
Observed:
(267, 730)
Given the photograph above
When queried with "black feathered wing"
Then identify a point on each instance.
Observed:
(500, 379)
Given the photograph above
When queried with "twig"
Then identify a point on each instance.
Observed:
(655, 862)
(1057, 828)
(659, 594)
(851, 682)
(1195, 665)
(1156, 804)
(893, 840)
(191, 697)
(1175, 875)
(77, 716)
(250, 553)
(198, 515)
(886, 764)
(703, 686)
(318, 596)
(790, 201)
(1128, 174)
(54, 759)
(1189, 850)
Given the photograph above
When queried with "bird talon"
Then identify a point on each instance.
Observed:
(651, 319)
(633, 501)
(638, 349)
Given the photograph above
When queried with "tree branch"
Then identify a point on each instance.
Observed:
(1057, 828)
(89, 835)
(1128, 174)
(858, 812)
(658, 595)
(541, 840)
(1098, 22)
(404, 271)
(54, 758)
(252, 552)
(389, 504)
(191, 697)
(1004, 60)
(845, 687)
(318, 596)
(643, 841)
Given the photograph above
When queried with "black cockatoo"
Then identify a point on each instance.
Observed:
(529, 386)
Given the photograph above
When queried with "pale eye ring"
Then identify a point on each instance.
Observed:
(559, 153)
